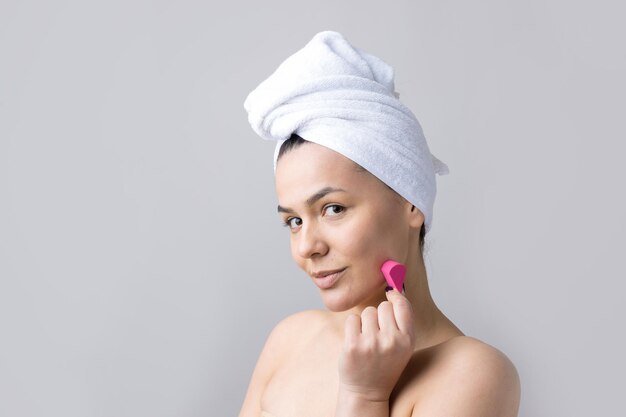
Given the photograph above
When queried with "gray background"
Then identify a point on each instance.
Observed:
(142, 264)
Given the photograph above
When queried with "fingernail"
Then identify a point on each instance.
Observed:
(388, 288)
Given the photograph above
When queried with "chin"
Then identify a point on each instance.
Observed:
(337, 302)
(340, 299)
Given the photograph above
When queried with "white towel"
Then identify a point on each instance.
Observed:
(341, 97)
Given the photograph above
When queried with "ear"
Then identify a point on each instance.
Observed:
(415, 216)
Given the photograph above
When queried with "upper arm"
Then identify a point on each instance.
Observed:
(271, 354)
(478, 381)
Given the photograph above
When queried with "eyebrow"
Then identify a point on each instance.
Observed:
(311, 200)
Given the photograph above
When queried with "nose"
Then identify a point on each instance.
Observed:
(310, 241)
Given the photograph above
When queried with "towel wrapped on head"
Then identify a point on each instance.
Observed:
(339, 96)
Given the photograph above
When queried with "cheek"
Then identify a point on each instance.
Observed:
(368, 243)
(294, 253)
(376, 240)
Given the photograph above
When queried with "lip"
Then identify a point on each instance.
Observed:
(325, 282)
(322, 274)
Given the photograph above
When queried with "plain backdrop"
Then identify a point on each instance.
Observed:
(142, 264)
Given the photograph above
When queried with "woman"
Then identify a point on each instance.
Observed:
(355, 186)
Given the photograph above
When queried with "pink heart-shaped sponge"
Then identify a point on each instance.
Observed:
(394, 274)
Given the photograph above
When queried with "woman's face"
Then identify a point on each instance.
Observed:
(356, 229)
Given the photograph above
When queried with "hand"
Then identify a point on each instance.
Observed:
(377, 347)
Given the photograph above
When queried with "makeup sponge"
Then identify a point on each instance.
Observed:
(394, 274)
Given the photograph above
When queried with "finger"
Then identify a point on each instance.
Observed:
(403, 311)
(352, 329)
(369, 321)
(386, 317)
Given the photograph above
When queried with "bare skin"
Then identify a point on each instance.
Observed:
(358, 229)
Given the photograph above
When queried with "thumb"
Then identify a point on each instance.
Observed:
(403, 310)
(390, 289)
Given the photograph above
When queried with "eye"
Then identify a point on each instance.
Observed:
(288, 222)
(336, 208)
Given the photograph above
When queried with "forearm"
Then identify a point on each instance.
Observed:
(353, 405)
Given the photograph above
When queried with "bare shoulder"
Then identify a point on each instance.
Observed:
(466, 353)
(297, 328)
(468, 378)
(280, 342)
(305, 317)
(291, 331)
